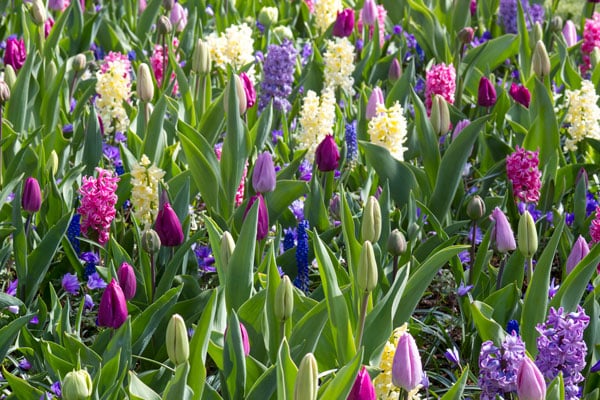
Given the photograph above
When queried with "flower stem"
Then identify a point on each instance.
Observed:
(500, 272)
(394, 268)
(529, 270)
(362, 318)
(153, 272)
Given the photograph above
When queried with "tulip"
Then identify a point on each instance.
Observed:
(164, 26)
(10, 77)
(520, 94)
(79, 62)
(344, 23)
(262, 228)
(540, 62)
(486, 95)
(367, 269)
(476, 208)
(176, 340)
(371, 221)
(578, 252)
(407, 370)
(145, 86)
(38, 12)
(263, 176)
(31, 199)
(4, 92)
(168, 227)
(527, 235)
(460, 125)
(127, 280)
(245, 341)
(76, 385)
(363, 388)
(112, 311)
(502, 234)
(178, 17)
(466, 35)
(327, 154)
(440, 115)
(530, 381)
(268, 16)
(284, 300)
(240, 90)
(57, 5)
(375, 99)
(15, 53)
(396, 244)
(168, 4)
(369, 13)
(395, 71)
(307, 379)
(249, 90)
(570, 33)
(201, 58)
(150, 241)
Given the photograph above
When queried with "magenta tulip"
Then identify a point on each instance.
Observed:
(112, 311)
(31, 199)
(262, 228)
(15, 53)
(344, 23)
(486, 95)
(127, 280)
(168, 227)
(249, 90)
(363, 388)
(327, 155)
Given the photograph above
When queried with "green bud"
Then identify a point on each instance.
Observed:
(371, 221)
(4, 92)
(164, 25)
(241, 95)
(556, 24)
(284, 300)
(440, 115)
(178, 346)
(227, 247)
(145, 86)
(52, 163)
(201, 58)
(282, 32)
(50, 73)
(476, 208)
(396, 244)
(77, 385)
(540, 62)
(38, 12)
(150, 241)
(367, 269)
(414, 231)
(307, 379)
(10, 76)
(527, 235)
(168, 4)
(268, 16)
(79, 62)
(537, 33)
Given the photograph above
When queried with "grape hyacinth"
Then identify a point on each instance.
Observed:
(498, 366)
(278, 76)
(562, 349)
(351, 141)
(74, 231)
(522, 170)
(302, 281)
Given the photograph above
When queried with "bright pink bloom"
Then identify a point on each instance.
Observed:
(520, 94)
(249, 90)
(239, 194)
(15, 53)
(473, 7)
(522, 170)
(98, 201)
(311, 5)
(441, 79)
(157, 61)
(381, 14)
(591, 40)
(595, 227)
(48, 26)
(112, 57)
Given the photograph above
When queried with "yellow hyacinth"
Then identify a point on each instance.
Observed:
(339, 65)
(583, 114)
(326, 12)
(388, 129)
(145, 182)
(316, 120)
(113, 88)
(233, 47)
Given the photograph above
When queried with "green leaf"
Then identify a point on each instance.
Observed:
(456, 391)
(21, 386)
(92, 146)
(340, 386)
(261, 130)
(118, 352)
(427, 140)
(199, 347)
(17, 111)
(9, 332)
(147, 19)
(155, 139)
(284, 194)
(265, 386)
(138, 390)
(286, 372)
(234, 363)
(177, 388)
(486, 326)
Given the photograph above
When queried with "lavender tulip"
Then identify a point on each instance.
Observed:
(112, 311)
(375, 98)
(369, 13)
(530, 382)
(502, 234)
(263, 176)
(570, 33)
(407, 370)
(178, 17)
(578, 252)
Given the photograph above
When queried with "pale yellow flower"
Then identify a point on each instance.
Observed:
(114, 88)
(233, 47)
(339, 64)
(583, 114)
(326, 12)
(145, 182)
(316, 120)
(388, 129)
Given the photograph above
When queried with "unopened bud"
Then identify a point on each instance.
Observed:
(168, 4)
(307, 379)
(178, 346)
(201, 58)
(395, 71)
(396, 244)
(476, 208)
(145, 86)
(4, 92)
(164, 25)
(77, 385)
(52, 165)
(371, 221)
(10, 76)
(268, 16)
(466, 35)
(38, 12)
(282, 32)
(79, 62)
(367, 269)
(527, 235)
(556, 24)
(227, 248)
(540, 62)
(284, 300)
(150, 241)
(241, 95)
(537, 33)
(440, 115)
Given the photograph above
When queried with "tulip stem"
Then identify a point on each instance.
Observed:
(472, 260)
(153, 361)
(362, 318)
(394, 267)
(1, 108)
(500, 272)
(529, 270)
(153, 273)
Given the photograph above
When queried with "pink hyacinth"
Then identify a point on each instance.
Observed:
(311, 5)
(595, 227)
(591, 40)
(381, 14)
(522, 170)
(98, 201)
(239, 194)
(112, 57)
(158, 62)
(441, 79)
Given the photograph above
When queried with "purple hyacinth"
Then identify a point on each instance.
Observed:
(205, 259)
(95, 281)
(351, 141)
(88, 302)
(508, 14)
(302, 280)
(74, 231)
(562, 349)
(306, 53)
(498, 367)
(289, 239)
(70, 283)
(278, 76)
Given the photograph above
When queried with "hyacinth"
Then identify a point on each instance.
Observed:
(388, 129)
(316, 120)
(583, 115)
(351, 141)
(381, 15)
(339, 64)
(591, 40)
(145, 182)
(522, 170)
(114, 87)
(233, 47)
(508, 13)
(97, 207)
(158, 62)
(562, 349)
(278, 76)
(326, 12)
(498, 367)
(239, 194)
(440, 79)
(595, 227)
(301, 281)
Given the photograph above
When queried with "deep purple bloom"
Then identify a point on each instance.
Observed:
(498, 367)
(306, 53)
(88, 302)
(327, 155)
(520, 94)
(553, 289)
(15, 53)
(262, 227)
(302, 281)
(31, 199)
(56, 389)
(70, 283)
(95, 282)
(595, 367)
(512, 326)
(278, 76)
(11, 290)
(344, 24)
(452, 355)
(24, 364)
(289, 239)
(249, 90)
(168, 227)
(486, 95)
(463, 289)
(127, 280)
(508, 12)
(205, 259)
(305, 170)
(112, 311)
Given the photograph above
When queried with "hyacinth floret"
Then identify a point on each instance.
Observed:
(339, 64)
(508, 13)
(145, 182)
(316, 120)
(498, 367)
(302, 281)
(562, 348)
(233, 47)
(114, 88)
(591, 40)
(583, 115)
(522, 170)
(73, 231)
(159, 59)
(326, 12)
(440, 79)
(388, 129)
(595, 227)
(278, 76)
(97, 207)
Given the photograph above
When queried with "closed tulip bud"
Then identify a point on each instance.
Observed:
(344, 23)
(440, 115)
(407, 370)
(249, 90)
(4, 92)
(367, 269)
(335, 205)
(537, 33)
(168, 227)
(38, 12)
(527, 235)
(10, 77)
(52, 165)
(466, 35)
(284, 300)
(371, 221)
(263, 176)
(282, 33)
(556, 24)
(176, 340)
(76, 385)
(164, 25)
(327, 155)
(476, 208)
(168, 4)
(178, 17)
(79, 62)
(363, 388)
(486, 95)
(369, 12)
(502, 234)
(375, 98)
(241, 95)
(227, 248)
(570, 33)
(396, 244)
(150, 241)
(530, 381)
(520, 94)
(268, 16)
(395, 71)
(262, 228)
(112, 311)
(540, 61)
(127, 280)
(201, 58)
(245, 340)
(578, 252)
(307, 379)
(145, 86)
(31, 200)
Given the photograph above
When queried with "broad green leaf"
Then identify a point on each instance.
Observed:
(92, 146)
(155, 139)
(234, 362)
(138, 390)
(456, 391)
(286, 373)
(340, 386)
(265, 386)
(199, 347)
(177, 388)
(486, 326)
(428, 140)
(21, 387)
(9, 332)
(284, 194)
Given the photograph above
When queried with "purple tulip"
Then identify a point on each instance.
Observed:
(344, 24)
(15, 53)
(578, 252)
(262, 228)
(520, 94)
(395, 71)
(375, 98)
(363, 388)
(407, 370)
(178, 17)
(486, 95)
(168, 227)
(263, 176)
(248, 90)
(31, 199)
(460, 125)
(530, 382)
(127, 280)
(327, 154)
(369, 13)
(57, 5)
(112, 311)
(502, 234)
(570, 33)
